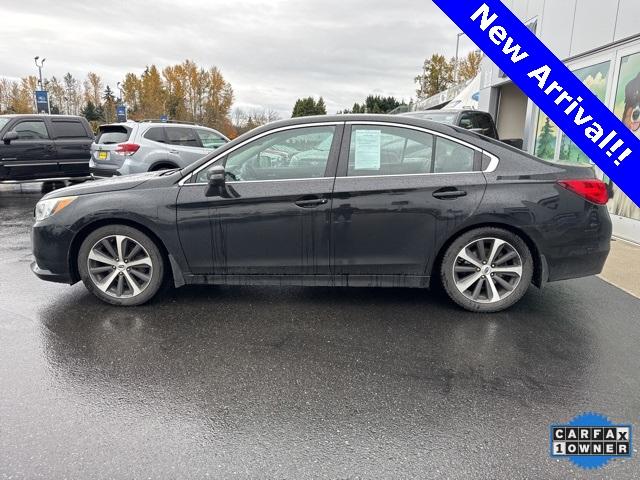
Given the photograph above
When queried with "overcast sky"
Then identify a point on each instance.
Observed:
(271, 52)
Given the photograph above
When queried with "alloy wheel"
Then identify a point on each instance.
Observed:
(120, 266)
(487, 270)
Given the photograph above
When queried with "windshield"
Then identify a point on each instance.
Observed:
(435, 116)
(3, 122)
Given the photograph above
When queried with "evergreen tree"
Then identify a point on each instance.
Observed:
(305, 107)
(546, 141)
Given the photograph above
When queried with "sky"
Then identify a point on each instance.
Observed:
(272, 52)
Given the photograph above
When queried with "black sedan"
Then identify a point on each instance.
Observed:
(353, 200)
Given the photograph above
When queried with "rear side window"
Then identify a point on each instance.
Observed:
(32, 130)
(484, 122)
(155, 134)
(111, 134)
(451, 157)
(68, 129)
(209, 139)
(381, 150)
(182, 136)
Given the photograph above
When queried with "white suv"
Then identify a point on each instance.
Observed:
(135, 147)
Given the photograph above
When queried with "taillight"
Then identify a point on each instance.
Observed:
(127, 148)
(593, 190)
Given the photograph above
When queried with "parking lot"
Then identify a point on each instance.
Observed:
(300, 382)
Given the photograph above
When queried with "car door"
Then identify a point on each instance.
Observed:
(73, 146)
(184, 142)
(399, 191)
(30, 156)
(273, 216)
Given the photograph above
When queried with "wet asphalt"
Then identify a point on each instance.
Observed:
(252, 382)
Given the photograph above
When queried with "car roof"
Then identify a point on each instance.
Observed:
(39, 115)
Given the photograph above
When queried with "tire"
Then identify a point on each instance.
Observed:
(131, 281)
(476, 283)
(162, 166)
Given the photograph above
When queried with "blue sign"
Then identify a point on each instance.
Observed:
(552, 86)
(164, 118)
(42, 101)
(121, 113)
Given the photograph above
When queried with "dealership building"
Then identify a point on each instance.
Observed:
(600, 42)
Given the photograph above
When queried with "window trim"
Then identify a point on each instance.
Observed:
(222, 155)
(346, 137)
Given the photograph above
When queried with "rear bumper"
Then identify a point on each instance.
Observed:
(103, 172)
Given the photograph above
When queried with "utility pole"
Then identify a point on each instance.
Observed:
(40, 65)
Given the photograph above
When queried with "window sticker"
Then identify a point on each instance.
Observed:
(368, 149)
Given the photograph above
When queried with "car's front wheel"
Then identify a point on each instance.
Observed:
(121, 265)
(487, 269)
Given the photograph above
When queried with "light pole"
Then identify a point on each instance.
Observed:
(119, 85)
(456, 67)
(40, 65)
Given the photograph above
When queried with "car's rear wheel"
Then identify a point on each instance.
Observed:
(487, 270)
(121, 265)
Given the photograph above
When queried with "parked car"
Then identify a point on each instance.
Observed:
(135, 147)
(392, 202)
(44, 147)
(474, 120)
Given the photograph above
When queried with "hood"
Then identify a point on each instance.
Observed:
(112, 184)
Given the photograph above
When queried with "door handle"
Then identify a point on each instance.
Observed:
(449, 193)
(311, 202)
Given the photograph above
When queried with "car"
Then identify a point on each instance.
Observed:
(474, 120)
(147, 146)
(44, 147)
(392, 202)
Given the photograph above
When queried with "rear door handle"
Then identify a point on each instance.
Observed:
(449, 193)
(307, 202)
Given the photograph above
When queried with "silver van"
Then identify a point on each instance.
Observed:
(136, 147)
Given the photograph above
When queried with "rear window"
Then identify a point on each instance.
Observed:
(156, 134)
(110, 134)
(181, 136)
(68, 129)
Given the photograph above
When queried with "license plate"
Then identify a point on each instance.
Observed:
(102, 155)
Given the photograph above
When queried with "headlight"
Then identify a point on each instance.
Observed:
(46, 208)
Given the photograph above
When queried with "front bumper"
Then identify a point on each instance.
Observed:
(48, 275)
(51, 245)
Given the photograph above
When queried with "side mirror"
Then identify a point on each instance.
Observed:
(9, 136)
(216, 176)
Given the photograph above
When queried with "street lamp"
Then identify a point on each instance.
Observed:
(457, 68)
(119, 85)
(40, 65)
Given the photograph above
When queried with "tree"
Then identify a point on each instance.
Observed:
(375, 104)
(469, 66)
(436, 76)
(72, 94)
(305, 107)
(91, 112)
(244, 121)
(546, 144)
(93, 89)
(109, 105)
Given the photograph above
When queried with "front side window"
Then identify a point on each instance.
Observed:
(32, 130)
(185, 137)
(452, 157)
(210, 139)
(290, 154)
(381, 150)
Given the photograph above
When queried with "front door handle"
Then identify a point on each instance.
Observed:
(449, 193)
(311, 202)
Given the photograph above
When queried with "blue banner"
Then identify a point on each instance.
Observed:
(121, 113)
(552, 87)
(42, 101)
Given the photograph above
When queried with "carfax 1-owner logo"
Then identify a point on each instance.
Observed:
(590, 441)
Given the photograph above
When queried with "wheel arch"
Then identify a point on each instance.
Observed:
(539, 262)
(162, 163)
(87, 229)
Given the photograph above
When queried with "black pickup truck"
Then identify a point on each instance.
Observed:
(44, 147)
(474, 120)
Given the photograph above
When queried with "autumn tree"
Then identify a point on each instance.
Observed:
(436, 76)
(246, 120)
(73, 94)
(469, 67)
(109, 105)
(93, 88)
